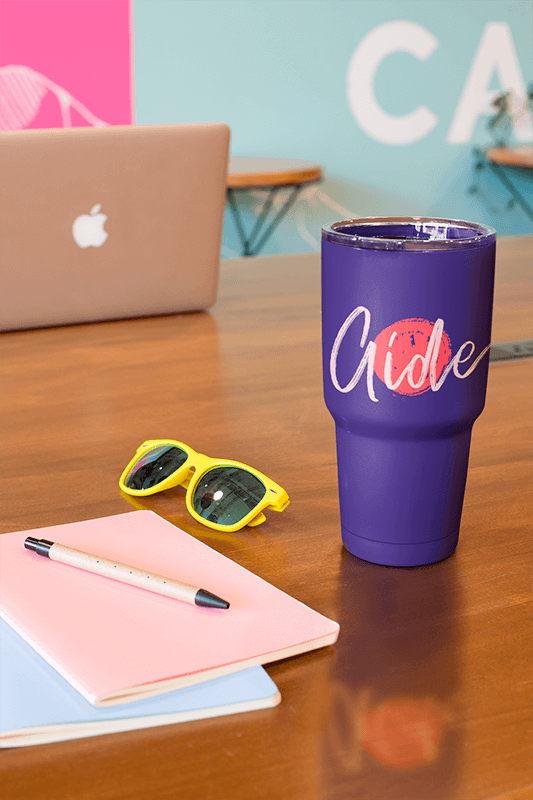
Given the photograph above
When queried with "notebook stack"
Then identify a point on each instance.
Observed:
(69, 668)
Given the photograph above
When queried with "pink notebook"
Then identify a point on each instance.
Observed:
(116, 643)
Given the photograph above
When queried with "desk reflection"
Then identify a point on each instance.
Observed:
(390, 733)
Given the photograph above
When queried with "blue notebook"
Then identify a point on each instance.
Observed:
(38, 706)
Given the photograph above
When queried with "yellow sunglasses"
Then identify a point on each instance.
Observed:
(225, 495)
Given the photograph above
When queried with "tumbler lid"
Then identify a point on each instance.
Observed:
(408, 233)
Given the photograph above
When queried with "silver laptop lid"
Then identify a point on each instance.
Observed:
(104, 223)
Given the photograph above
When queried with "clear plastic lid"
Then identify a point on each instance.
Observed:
(408, 233)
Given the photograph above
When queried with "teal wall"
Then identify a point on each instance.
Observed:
(276, 72)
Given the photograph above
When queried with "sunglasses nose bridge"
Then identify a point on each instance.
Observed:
(197, 464)
(200, 461)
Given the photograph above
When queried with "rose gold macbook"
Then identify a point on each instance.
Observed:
(107, 223)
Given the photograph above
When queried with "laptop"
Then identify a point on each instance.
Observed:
(109, 223)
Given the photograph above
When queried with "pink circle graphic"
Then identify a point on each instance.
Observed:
(411, 339)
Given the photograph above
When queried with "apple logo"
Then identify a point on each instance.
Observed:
(88, 229)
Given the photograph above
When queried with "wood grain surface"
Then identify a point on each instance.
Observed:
(428, 693)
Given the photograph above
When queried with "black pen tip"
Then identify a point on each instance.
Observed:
(39, 546)
(208, 600)
(30, 543)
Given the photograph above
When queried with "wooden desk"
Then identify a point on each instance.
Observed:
(273, 174)
(428, 693)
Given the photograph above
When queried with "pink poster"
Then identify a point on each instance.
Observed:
(65, 63)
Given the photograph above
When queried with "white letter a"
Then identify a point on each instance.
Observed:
(496, 51)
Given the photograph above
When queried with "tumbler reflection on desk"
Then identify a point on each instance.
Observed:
(393, 729)
(406, 320)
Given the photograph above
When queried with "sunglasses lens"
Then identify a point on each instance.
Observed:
(225, 495)
(155, 466)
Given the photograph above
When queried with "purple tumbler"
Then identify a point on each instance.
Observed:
(406, 321)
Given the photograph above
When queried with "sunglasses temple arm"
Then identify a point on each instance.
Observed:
(279, 505)
(258, 520)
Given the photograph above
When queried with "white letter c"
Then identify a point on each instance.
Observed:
(391, 37)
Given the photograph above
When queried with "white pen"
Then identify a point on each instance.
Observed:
(122, 572)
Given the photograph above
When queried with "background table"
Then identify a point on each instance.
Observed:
(428, 693)
(273, 174)
(515, 158)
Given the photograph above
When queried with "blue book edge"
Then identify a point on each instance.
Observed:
(37, 705)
